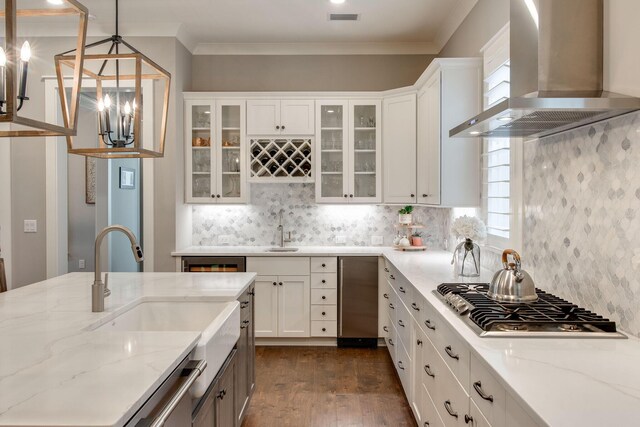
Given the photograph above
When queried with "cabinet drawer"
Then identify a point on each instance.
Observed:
(392, 305)
(478, 420)
(432, 371)
(324, 312)
(455, 353)
(430, 322)
(403, 366)
(324, 328)
(324, 296)
(392, 342)
(278, 266)
(403, 324)
(452, 402)
(430, 416)
(324, 265)
(324, 280)
(416, 307)
(487, 393)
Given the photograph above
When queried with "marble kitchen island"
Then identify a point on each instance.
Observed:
(56, 370)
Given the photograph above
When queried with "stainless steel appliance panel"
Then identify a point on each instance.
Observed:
(358, 297)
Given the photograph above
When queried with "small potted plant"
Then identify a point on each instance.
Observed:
(416, 239)
(404, 215)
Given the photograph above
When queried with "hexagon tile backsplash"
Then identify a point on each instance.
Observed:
(582, 217)
(310, 224)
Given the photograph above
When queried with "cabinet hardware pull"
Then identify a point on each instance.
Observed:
(468, 419)
(415, 306)
(324, 329)
(244, 304)
(401, 323)
(324, 314)
(278, 127)
(275, 284)
(413, 195)
(280, 283)
(217, 196)
(391, 342)
(392, 277)
(324, 265)
(391, 306)
(252, 293)
(324, 297)
(447, 406)
(386, 296)
(478, 388)
(427, 369)
(324, 281)
(428, 324)
(213, 196)
(400, 365)
(419, 342)
(350, 195)
(425, 195)
(345, 196)
(451, 353)
(386, 269)
(282, 127)
(384, 328)
(426, 424)
(403, 290)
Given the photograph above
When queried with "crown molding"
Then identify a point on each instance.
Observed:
(382, 48)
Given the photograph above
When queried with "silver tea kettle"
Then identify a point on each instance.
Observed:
(512, 284)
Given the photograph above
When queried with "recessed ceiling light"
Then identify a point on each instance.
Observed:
(337, 1)
(474, 132)
(55, 1)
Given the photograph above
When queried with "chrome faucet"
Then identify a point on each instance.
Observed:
(281, 239)
(100, 289)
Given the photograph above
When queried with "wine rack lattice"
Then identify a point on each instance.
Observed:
(281, 159)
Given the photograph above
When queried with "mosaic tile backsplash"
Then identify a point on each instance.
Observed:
(582, 217)
(310, 224)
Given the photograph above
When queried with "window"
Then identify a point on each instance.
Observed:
(501, 158)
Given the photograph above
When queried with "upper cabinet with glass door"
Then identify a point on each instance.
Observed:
(216, 157)
(348, 152)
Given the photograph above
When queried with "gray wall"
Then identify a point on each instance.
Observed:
(124, 209)
(306, 72)
(483, 22)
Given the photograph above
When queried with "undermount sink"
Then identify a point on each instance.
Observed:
(218, 322)
(279, 249)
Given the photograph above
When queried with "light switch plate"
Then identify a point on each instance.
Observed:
(30, 226)
(81, 264)
(224, 239)
(377, 240)
(341, 240)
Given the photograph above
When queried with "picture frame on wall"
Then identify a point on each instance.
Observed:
(127, 178)
(90, 180)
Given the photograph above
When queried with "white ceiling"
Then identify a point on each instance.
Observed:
(287, 26)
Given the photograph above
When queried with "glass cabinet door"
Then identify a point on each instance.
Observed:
(366, 156)
(231, 158)
(332, 153)
(199, 128)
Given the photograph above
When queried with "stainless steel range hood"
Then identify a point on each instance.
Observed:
(556, 73)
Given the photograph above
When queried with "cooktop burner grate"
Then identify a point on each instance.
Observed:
(548, 313)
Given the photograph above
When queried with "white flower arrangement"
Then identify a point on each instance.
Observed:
(469, 227)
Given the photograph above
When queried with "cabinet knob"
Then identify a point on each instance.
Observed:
(275, 284)
(278, 127)
(282, 127)
(425, 195)
(345, 196)
(324, 313)
(468, 419)
(213, 196)
(413, 195)
(350, 195)
(280, 283)
(217, 196)
(324, 329)
(323, 297)
(324, 281)
(324, 265)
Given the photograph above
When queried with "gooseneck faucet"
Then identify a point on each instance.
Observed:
(100, 289)
(281, 239)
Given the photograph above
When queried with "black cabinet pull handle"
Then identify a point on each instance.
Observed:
(386, 269)
(217, 196)
(478, 388)
(392, 277)
(324, 281)
(428, 324)
(391, 342)
(280, 283)
(415, 306)
(278, 127)
(324, 265)
(213, 196)
(350, 195)
(401, 323)
(282, 127)
(425, 195)
(403, 290)
(324, 329)
(468, 419)
(413, 195)
(426, 424)
(384, 328)
(391, 306)
(386, 296)
(419, 342)
(252, 293)
(324, 314)
(345, 196)
(450, 352)
(400, 365)
(323, 297)
(447, 406)
(244, 304)
(275, 284)
(427, 369)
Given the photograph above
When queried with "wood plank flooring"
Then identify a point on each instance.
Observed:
(326, 387)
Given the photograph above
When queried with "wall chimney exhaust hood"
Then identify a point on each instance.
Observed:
(556, 73)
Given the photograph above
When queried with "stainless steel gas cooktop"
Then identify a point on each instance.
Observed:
(549, 316)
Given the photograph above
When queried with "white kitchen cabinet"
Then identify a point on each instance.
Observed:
(280, 117)
(399, 149)
(294, 311)
(348, 151)
(266, 306)
(216, 155)
(448, 169)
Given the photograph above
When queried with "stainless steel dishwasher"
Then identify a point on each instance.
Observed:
(358, 301)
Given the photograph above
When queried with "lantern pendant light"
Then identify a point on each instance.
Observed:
(119, 79)
(15, 57)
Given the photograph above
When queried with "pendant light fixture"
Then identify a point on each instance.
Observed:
(120, 78)
(19, 50)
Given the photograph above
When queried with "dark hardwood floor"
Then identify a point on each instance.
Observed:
(326, 387)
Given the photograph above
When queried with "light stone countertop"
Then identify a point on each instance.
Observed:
(559, 381)
(303, 251)
(55, 371)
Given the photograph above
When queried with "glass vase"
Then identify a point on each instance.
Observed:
(467, 259)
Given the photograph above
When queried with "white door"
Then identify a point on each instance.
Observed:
(365, 154)
(201, 186)
(231, 152)
(297, 117)
(332, 148)
(399, 146)
(266, 306)
(263, 117)
(294, 306)
(432, 162)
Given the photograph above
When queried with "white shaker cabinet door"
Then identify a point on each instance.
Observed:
(297, 117)
(294, 307)
(263, 117)
(266, 306)
(399, 149)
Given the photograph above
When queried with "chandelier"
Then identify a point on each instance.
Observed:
(122, 76)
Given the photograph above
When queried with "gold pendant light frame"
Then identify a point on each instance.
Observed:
(69, 109)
